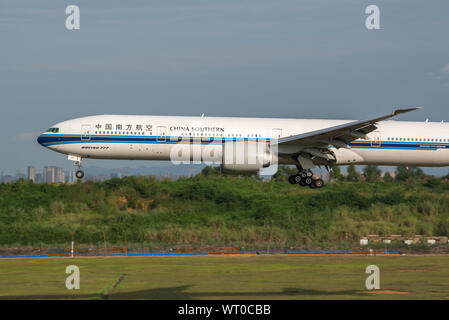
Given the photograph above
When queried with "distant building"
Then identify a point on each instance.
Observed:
(7, 178)
(49, 175)
(53, 175)
(39, 178)
(72, 176)
(31, 174)
(60, 175)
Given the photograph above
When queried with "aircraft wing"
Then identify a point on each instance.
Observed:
(339, 136)
(314, 145)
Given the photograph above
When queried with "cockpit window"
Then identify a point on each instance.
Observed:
(54, 130)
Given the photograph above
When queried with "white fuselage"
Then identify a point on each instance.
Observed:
(154, 137)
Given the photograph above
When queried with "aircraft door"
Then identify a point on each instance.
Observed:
(85, 132)
(161, 133)
(375, 139)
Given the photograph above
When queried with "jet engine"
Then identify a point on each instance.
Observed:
(245, 156)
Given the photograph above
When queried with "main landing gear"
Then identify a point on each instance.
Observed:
(306, 178)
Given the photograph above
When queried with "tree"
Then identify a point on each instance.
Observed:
(353, 174)
(283, 172)
(335, 173)
(404, 173)
(371, 173)
(211, 171)
(388, 177)
(289, 170)
(278, 176)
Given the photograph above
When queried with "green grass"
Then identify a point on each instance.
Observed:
(233, 277)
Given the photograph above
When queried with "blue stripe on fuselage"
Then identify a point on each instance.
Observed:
(54, 139)
(50, 140)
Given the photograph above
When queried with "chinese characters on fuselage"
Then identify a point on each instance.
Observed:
(126, 127)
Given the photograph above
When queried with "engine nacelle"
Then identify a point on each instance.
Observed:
(245, 157)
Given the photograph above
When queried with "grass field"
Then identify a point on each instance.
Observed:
(233, 277)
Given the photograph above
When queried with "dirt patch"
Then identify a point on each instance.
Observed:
(123, 199)
(386, 292)
(139, 248)
(416, 270)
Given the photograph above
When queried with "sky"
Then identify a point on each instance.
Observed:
(264, 58)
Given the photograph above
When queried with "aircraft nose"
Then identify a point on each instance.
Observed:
(40, 139)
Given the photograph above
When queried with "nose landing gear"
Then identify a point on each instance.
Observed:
(79, 174)
(306, 178)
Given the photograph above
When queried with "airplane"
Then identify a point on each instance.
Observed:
(306, 143)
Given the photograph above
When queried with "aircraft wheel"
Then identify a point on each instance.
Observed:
(297, 178)
(79, 174)
(308, 181)
(291, 179)
(319, 183)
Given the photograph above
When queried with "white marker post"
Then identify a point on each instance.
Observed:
(72, 247)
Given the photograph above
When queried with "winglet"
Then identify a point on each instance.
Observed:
(399, 111)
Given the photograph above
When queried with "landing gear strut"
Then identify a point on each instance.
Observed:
(306, 178)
